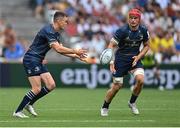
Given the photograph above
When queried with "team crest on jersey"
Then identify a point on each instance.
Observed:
(141, 37)
(127, 38)
(36, 69)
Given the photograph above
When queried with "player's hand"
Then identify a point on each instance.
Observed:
(85, 59)
(44, 61)
(81, 52)
(136, 59)
(112, 69)
(80, 57)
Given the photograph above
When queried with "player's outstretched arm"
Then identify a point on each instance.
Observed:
(111, 66)
(112, 44)
(64, 50)
(141, 54)
(86, 60)
(144, 50)
(82, 58)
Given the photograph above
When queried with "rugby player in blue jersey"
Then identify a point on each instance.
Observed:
(48, 37)
(128, 40)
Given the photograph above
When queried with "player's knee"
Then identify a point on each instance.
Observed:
(140, 82)
(36, 90)
(116, 87)
(51, 86)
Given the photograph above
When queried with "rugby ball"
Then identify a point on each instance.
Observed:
(106, 56)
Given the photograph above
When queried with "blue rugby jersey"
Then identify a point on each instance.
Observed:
(41, 43)
(129, 41)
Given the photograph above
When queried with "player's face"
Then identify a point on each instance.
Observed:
(63, 22)
(133, 21)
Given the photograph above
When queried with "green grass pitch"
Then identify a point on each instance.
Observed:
(81, 108)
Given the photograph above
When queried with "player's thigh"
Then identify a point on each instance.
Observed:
(138, 74)
(140, 78)
(35, 82)
(48, 80)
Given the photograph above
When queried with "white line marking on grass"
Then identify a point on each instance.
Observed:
(95, 109)
(72, 121)
(91, 109)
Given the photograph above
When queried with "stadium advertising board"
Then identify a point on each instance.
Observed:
(169, 78)
(89, 76)
(97, 76)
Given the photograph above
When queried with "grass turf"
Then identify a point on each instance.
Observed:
(81, 108)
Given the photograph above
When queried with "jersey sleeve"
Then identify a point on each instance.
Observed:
(146, 35)
(51, 38)
(117, 37)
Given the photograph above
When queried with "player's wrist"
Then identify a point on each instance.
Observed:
(139, 57)
(75, 56)
(74, 51)
(111, 62)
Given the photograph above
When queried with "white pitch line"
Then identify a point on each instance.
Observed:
(89, 109)
(95, 109)
(73, 121)
(86, 127)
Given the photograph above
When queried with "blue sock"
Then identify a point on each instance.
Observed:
(105, 105)
(133, 98)
(26, 100)
(42, 93)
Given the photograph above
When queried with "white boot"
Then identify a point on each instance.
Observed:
(20, 115)
(104, 112)
(133, 108)
(31, 110)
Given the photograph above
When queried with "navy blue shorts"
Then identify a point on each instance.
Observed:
(34, 68)
(123, 65)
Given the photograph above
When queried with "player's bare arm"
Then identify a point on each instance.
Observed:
(112, 44)
(141, 54)
(64, 50)
(83, 58)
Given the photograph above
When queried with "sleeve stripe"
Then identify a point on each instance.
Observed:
(51, 43)
(114, 40)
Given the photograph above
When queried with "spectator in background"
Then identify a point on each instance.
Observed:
(177, 41)
(177, 21)
(163, 3)
(13, 50)
(39, 9)
(176, 58)
(167, 46)
(155, 47)
(41, 6)
(71, 29)
(2, 27)
(92, 16)
(97, 44)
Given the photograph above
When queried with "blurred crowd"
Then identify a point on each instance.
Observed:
(93, 22)
(12, 49)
